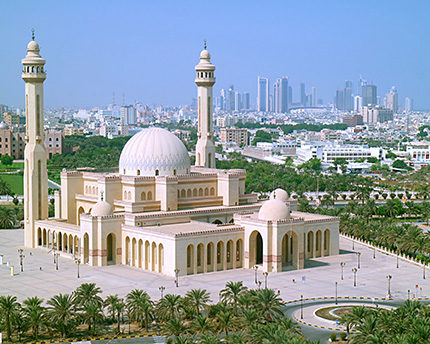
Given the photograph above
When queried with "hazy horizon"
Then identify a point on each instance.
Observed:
(147, 50)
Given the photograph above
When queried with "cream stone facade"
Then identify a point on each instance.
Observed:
(161, 214)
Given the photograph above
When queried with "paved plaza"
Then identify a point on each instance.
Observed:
(318, 279)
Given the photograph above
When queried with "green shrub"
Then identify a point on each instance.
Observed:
(333, 337)
(342, 336)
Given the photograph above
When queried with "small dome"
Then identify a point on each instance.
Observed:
(33, 46)
(3, 125)
(279, 194)
(153, 152)
(102, 208)
(205, 54)
(274, 210)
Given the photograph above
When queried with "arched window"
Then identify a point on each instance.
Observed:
(125, 195)
(138, 172)
(212, 191)
(183, 193)
(149, 196)
(189, 193)
(157, 172)
(38, 69)
(194, 192)
(143, 196)
(129, 196)
(206, 192)
(174, 172)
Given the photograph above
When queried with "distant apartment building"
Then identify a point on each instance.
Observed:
(263, 102)
(13, 143)
(245, 101)
(13, 119)
(353, 121)
(409, 104)
(330, 135)
(71, 130)
(109, 130)
(392, 100)
(128, 115)
(369, 94)
(240, 136)
(376, 114)
(183, 135)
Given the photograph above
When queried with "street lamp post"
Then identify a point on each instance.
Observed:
(301, 306)
(397, 260)
(389, 277)
(358, 259)
(265, 274)
(335, 285)
(255, 267)
(374, 252)
(342, 264)
(162, 289)
(57, 256)
(259, 284)
(177, 277)
(355, 276)
(21, 259)
(78, 262)
(409, 293)
(353, 244)
(424, 270)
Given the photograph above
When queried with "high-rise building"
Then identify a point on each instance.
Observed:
(370, 96)
(392, 100)
(290, 94)
(128, 115)
(348, 102)
(231, 99)
(223, 99)
(302, 92)
(358, 103)
(314, 97)
(280, 95)
(237, 102)
(263, 94)
(35, 170)
(340, 100)
(376, 114)
(409, 104)
(245, 101)
(205, 79)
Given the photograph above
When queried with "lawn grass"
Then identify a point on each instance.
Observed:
(341, 310)
(15, 181)
(14, 166)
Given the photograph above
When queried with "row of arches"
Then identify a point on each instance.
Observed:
(317, 244)
(32, 69)
(187, 193)
(210, 257)
(91, 190)
(148, 256)
(144, 196)
(204, 74)
(63, 242)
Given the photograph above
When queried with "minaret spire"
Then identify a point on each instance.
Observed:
(32, 34)
(205, 79)
(205, 45)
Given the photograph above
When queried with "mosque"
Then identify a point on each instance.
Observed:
(159, 213)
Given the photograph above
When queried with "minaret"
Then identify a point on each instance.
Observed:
(205, 149)
(35, 171)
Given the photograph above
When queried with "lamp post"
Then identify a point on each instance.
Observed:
(301, 306)
(353, 244)
(255, 267)
(57, 256)
(409, 293)
(355, 276)
(177, 277)
(397, 260)
(335, 285)
(358, 259)
(162, 289)
(259, 284)
(21, 259)
(374, 252)
(78, 262)
(424, 270)
(265, 274)
(342, 264)
(389, 277)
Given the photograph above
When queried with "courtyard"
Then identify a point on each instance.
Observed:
(40, 277)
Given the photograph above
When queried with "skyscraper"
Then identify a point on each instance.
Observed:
(340, 100)
(231, 99)
(409, 104)
(237, 102)
(369, 95)
(302, 92)
(348, 101)
(290, 94)
(245, 101)
(314, 97)
(128, 115)
(263, 94)
(280, 95)
(392, 100)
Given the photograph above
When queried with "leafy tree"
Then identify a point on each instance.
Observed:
(232, 292)
(34, 315)
(10, 310)
(61, 312)
(6, 160)
(7, 218)
(140, 306)
(4, 188)
(198, 299)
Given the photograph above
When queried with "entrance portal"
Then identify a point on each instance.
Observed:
(111, 249)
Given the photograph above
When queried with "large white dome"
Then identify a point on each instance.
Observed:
(102, 208)
(152, 152)
(279, 194)
(274, 210)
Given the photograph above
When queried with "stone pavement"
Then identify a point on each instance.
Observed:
(318, 279)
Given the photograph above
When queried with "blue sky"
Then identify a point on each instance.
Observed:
(148, 49)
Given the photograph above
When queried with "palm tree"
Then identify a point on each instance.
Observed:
(119, 307)
(249, 316)
(7, 218)
(201, 324)
(225, 322)
(288, 325)
(198, 299)
(34, 314)
(92, 314)
(11, 311)
(367, 331)
(110, 303)
(232, 292)
(209, 339)
(168, 307)
(88, 292)
(245, 300)
(62, 312)
(268, 303)
(180, 340)
(174, 326)
(140, 306)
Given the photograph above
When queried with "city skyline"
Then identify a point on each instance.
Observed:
(149, 54)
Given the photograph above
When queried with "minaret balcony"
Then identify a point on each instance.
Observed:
(205, 81)
(32, 76)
